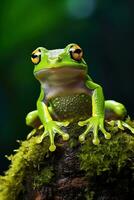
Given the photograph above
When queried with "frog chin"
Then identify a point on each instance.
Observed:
(60, 74)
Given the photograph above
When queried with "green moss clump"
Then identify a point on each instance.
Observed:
(43, 177)
(30, 154)
(116, 152)
(107, 164)
(90, 195)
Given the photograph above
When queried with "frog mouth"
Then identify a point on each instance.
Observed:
(60, 74)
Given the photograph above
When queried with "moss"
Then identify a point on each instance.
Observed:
(44, 177)
(114, 153)
(29, 154)
(117, 153)
(90, 195)
(109, 165)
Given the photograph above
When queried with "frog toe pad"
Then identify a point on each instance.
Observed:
(121, 125)
(95, 124)
(51, 129)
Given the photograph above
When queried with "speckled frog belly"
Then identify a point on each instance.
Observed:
(74, 107)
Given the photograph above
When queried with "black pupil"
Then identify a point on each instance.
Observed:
(77, 51)
(34, 56)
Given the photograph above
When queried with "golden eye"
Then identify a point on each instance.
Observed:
(36, 56)
(76, 52)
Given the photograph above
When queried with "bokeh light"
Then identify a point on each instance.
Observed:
(81, 9)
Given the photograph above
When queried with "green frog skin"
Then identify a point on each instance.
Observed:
(68, 95)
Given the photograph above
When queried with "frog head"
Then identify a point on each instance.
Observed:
(63, 61)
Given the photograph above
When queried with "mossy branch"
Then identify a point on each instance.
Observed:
(117, 153)
(29, 153)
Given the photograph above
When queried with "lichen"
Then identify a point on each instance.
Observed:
(29, 154)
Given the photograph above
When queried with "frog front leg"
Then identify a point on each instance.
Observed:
(51, 127)
(96, 122)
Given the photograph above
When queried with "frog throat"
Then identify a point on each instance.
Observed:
(60, 74)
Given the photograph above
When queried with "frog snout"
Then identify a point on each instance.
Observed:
(55, 60)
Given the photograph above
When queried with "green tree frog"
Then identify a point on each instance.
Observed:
(68, 95)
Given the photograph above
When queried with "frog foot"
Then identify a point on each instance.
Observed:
(121, 125)
(95, 123)
(51, 128)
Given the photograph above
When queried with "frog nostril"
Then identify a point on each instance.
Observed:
(59, 58)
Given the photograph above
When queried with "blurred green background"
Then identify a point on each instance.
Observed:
(103, 28)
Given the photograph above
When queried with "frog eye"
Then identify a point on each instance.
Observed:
(76, 52)
(36, 56)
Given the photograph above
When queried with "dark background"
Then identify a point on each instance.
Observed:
(103, 28)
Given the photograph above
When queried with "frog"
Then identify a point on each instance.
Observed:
(68, 94)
